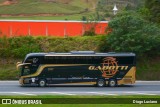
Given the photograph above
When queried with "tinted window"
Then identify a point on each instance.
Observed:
(84, 60)
(71, 59)
(125, 60)
(47, 72)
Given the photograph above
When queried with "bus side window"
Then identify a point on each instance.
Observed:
(47, 72)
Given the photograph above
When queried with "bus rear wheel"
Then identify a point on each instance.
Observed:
(112, 83)
(100, 83)
(42, 83)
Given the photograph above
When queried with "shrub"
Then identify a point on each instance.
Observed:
(154, 8)
(18, 47)
(132, 33)
(71, 43)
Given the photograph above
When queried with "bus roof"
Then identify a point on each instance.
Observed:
(81, 53)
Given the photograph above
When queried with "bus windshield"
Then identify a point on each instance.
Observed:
(27, 70)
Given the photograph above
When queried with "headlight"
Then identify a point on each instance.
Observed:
(26, 80)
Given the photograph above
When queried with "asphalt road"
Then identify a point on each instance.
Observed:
(139, 88)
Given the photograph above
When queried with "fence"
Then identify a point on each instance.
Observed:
(13, 28)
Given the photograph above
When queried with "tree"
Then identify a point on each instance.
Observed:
(154, 8)
(131, 33)
(84, 18)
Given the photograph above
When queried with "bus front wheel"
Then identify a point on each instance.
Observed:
(100, 83)
(112, 83)
(42, 83)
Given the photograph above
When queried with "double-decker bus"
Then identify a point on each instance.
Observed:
(78, 67)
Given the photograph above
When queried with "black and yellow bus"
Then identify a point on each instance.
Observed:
(78, 67)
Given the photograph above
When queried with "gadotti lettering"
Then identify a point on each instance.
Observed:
(105, 68)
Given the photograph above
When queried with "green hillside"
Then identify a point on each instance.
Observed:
(45, 6)
(58, 9)
(46, 9)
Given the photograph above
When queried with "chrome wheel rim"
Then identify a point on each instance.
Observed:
(100, 83)
(112, 83)
(42, 83)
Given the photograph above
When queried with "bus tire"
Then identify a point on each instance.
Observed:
(100, 83)
(112, 83)
(42, 83)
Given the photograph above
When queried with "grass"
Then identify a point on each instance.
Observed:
(74, 10)
(148, 68)
(63, 17)
(40, 6)
(8, 72)
(86, 105)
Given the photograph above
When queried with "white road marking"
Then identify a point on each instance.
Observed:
(140, 93)
(23, 93)
(62, 93)
(100, 93)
